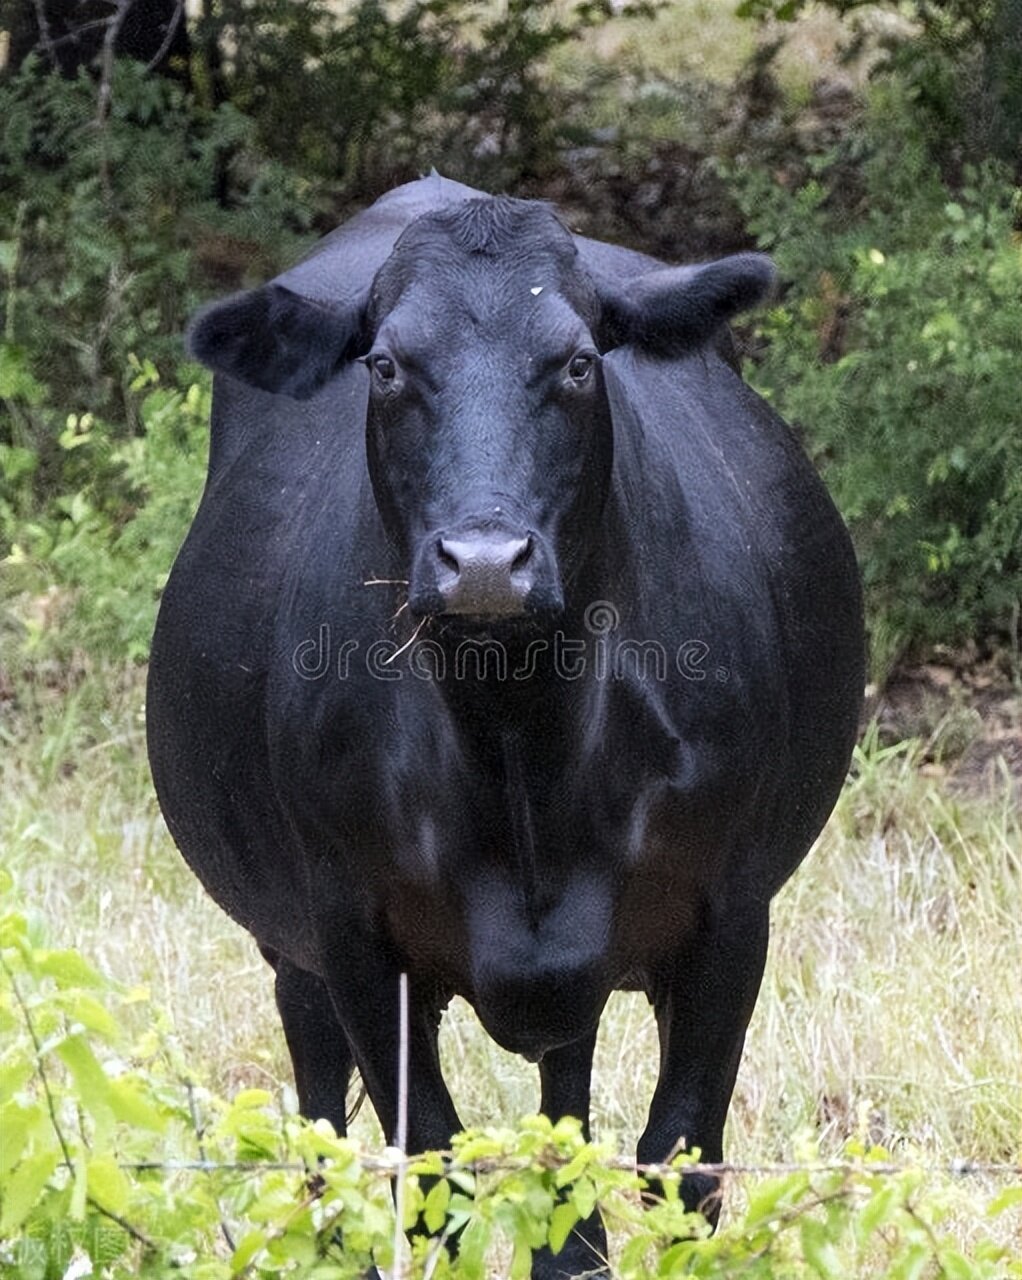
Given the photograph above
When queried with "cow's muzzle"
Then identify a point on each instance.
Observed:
(485, 573)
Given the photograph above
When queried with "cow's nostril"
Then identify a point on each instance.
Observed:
(523, 555)
(447, 557)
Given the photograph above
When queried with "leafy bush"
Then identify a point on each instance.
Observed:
(895, 350)
(107, 228)
(378, 95)
(117, 1160)
(108, 237)
(104, 567)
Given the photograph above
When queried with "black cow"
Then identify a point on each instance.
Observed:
(516, 645)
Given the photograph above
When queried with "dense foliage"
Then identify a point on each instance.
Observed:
(106, 233)
(895, 351)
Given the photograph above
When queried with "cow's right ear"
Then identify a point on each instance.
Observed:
(277, 340)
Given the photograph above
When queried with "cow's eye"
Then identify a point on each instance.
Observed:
(581, 366)
(384, 369)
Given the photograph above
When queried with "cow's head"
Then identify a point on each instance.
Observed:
(489, 437)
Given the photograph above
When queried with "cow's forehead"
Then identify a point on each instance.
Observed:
(481, 257)
(535, 319)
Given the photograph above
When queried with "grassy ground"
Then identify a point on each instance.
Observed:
(891, 999)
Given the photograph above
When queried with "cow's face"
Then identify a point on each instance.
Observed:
(489, 438)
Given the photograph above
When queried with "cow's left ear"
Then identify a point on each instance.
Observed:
(680, 309)
(277, 340)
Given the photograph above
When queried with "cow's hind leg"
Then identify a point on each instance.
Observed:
(320, 1053)
(703, 1000)
(564, 1083)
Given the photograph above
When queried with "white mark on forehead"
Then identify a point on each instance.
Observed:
(536, 290)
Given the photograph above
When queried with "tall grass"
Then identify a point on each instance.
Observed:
(891, 997)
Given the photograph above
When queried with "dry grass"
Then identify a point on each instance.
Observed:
(891, 996)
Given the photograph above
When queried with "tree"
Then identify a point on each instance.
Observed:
(72, 34)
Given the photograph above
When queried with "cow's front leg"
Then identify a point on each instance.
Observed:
(364, 981)
(365, 984)
(564, 1076)
(703, 999)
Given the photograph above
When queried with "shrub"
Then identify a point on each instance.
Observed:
(959, 60)
(104, 563)
(107, 237)
(895, 350)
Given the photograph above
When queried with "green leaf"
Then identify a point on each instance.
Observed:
(90, 1079)
(413, 1203)
(16, 1124)
(479, 1146)
(108, 1185)
(13, 1077)
(633, 1255)
(881, 1207)
(247, 1099)
(1006, 1199)
(21, 1191)
(434, 1211)
(13, 929)
(16, 463)
(912, 1263)
(472, 1245)
(131, 1107)
(772, 1193)
(79, 1191)
(575, 1166)
(247, 1249)
(957, 1267)
(819, 1251)
(521, 1260)
(16, 380)
(93, 1016)
(583, 1196)
(68, 969)
(562, 1222)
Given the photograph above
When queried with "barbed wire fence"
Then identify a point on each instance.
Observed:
(392, 1167)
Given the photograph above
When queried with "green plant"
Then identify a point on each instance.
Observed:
(378, 94)
(106, 564)
(107, 229)
(894, 350)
